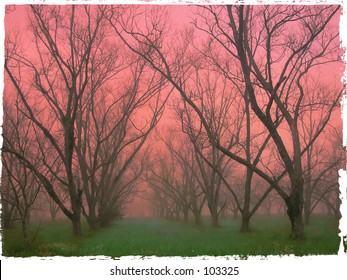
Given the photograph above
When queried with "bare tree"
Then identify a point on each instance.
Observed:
(19, 186)
(111, 128)
(218, 105)
(321, 175)
(164, 183)
(51, 83)
(241, 37)
(226, 109)
(193, 197)
(174, 180)
(272, 57)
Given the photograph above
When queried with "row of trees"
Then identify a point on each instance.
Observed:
(186, 183)
(270, 55)
(78, 109)
(73, 113)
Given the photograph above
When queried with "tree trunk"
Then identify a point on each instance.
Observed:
(268, 210)
(307, 212)
(197, 218)
(185, 215)
(53, 215)
(294, 211)
(76, 216)
(76, 226)
(297, 224)
(215, 223)
(249, 174)
(6, 217)
(214, 218)
(329, 210)
(223, 213)
(28, 216)
(177, 215)
(214, 214)
(93, 223)
(245, 222)
(92, 219)
(337, 215)
(25, 233)
(6, 223)
(235, 213)
(247, 201)
(337, 208)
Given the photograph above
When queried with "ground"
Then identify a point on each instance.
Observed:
(148, 237)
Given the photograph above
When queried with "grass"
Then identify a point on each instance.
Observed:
(147, 237)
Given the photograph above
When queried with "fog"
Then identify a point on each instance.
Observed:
(113, 112)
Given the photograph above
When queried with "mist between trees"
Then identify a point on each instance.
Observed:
(235, 110)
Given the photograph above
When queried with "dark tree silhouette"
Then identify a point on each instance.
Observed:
(51, 83)
(275, 48)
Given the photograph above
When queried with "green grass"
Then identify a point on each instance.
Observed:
(147, 237)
